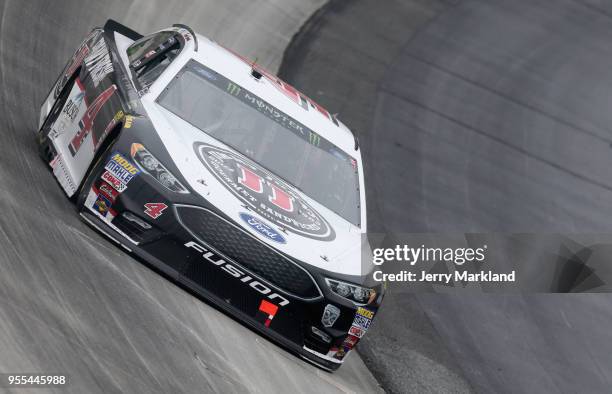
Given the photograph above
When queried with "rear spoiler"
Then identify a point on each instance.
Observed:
(113, 25)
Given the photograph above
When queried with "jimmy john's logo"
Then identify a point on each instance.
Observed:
(264, 193)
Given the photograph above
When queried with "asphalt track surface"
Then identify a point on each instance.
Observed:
(476, 116)
(73, 303)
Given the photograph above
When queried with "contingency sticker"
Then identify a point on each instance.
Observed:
(357, 331)
(121, 171)
(67, 121)
(368, 314)
(361, 322)
(108, 191)
(100, 205)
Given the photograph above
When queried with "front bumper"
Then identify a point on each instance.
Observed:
(207, 266)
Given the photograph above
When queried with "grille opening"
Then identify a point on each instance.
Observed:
(248, 252)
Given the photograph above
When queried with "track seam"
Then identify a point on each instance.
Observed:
(498, 140)
(593, 8)
(510, 99)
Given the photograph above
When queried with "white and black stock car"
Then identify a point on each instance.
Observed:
(223, 177)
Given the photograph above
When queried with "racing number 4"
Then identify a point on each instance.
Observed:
(155, 209)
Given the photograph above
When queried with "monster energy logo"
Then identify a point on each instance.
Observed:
(314, 138)
(233, 89)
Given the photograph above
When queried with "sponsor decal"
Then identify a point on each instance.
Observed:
(94, 53)
(128, 121)
(350, 341)
(270, 111)
(288, 90)
(264, 193)
(262, 228)
(237, 273)
(233, 89)
(267, 311)
(86, 123)
(102, 209)
(98, 62)
(71, 109)
(362, 322)
(368, 314)
(121, 168)
(59, 128)
(114, 182)
(357, 331)
(339, 354)
(314, 138)
(102, 205)
(108, 191)
(154, 209)
(332, 350)
(330, 315)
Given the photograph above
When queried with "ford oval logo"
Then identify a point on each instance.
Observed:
(262, 228)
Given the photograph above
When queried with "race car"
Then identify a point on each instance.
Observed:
(226, 179)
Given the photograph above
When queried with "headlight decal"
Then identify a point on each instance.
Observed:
(357, 294)
(150, 165)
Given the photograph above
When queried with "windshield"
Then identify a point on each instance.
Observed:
(250, 125)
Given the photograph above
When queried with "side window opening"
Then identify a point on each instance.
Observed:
(151, 55)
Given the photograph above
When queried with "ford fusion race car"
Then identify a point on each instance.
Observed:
(227, 179)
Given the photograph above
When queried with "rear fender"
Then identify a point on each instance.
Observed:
(72, 67)
(93, 109)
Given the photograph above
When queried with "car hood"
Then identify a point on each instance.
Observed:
(260, 202)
